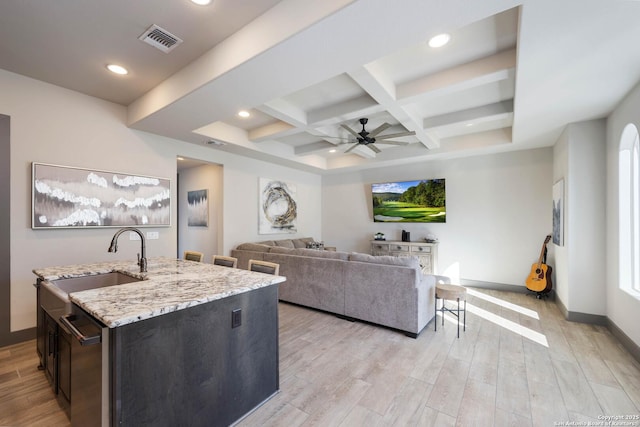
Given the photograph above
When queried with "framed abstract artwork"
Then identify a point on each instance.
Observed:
(278, 210)
(558, 213)
(198, 208)
(71, 197)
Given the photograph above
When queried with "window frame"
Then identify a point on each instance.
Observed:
(629, 210)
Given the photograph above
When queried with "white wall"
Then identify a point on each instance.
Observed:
(53, 125)
(622, 308)
(498, 212)
(579, 159)
(241, 189)
(558, 256)
(50, 124)
(201, 239)
(586, 216)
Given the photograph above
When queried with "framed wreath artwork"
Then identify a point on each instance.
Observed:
(278, 210)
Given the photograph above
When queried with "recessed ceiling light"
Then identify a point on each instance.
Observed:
(439, 40)
(333, 150)
(117, 69)
(201, 2)
(244, 114)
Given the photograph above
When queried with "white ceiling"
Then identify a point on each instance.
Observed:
(513, 75)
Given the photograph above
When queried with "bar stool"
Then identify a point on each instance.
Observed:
(225, 261)
(446, 291)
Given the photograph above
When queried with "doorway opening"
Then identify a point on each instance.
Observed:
(199, 195)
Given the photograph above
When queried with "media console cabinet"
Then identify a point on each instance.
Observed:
(427, 253)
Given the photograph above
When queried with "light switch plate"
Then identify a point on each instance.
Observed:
(153, 235)
(133, 236)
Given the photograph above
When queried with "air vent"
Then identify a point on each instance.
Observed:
(216, 142)
(160, 38)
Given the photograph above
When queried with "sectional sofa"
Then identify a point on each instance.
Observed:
(385, 290)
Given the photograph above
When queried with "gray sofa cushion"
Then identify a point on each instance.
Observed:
(284, 243)
(383, 294)
(256, 247)
(310, 253)
(322, 254)
(311, 281)
(267, 242)
(281, 250)
(402, 261)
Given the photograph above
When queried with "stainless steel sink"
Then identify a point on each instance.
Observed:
(54, 295)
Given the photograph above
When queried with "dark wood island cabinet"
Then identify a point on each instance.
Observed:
(192, 344)
(192, 367)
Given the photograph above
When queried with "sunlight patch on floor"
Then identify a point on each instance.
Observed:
(515, 307)
(451, 318)
(510, 325)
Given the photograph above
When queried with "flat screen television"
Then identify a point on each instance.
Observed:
(409, 201)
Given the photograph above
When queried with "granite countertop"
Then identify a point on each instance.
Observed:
(169, 285)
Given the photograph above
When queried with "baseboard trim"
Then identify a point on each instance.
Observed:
(502, 287)
(17, 337)
(493, 285)
(572, 316)
(576, 316)
(596, 319)
(627, 343)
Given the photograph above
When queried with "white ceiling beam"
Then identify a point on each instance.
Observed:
(285, 111)
(291, 120)
(313, 147)
(343, 111)
(469, 115)
(383, 91)
(363, 151)
(498, 121)
(271, 131)
(482, 71)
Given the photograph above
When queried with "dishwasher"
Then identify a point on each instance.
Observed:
(89, 381)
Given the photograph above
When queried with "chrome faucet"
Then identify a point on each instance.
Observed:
(142, 260)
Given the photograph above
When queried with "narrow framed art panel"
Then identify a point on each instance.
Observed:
(72, 197)
(558, 213)
(198, 208)
(278, 210)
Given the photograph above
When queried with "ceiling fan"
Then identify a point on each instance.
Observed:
(368, 139)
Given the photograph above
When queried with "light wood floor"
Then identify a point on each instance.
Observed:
(518, 363)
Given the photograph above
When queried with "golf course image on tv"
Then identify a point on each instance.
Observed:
(409, 201)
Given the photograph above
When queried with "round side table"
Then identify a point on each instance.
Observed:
(447, 291)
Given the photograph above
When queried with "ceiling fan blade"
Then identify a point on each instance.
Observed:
(373, 148)
(379, 129)
(339, 138)
(395, 135)
(351, 131)
(351, 148)
(391, 142)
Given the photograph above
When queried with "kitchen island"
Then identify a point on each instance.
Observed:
(189, 344)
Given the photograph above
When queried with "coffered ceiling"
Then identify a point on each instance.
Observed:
(513, 74)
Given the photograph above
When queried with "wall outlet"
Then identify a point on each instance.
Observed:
(236, 317)
(153, 235)
(133, 236)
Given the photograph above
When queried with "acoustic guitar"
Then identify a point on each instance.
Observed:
(539, 279)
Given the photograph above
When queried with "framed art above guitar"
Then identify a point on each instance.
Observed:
(558, 213)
